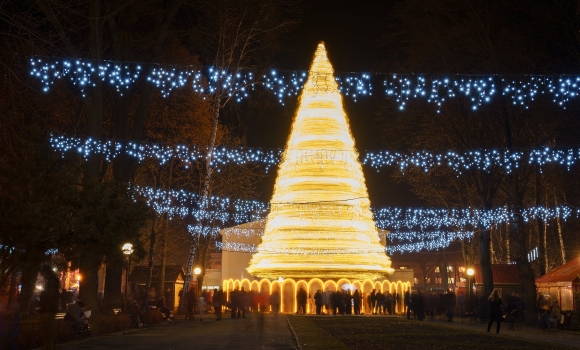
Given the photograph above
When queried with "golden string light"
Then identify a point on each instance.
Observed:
(320, 125)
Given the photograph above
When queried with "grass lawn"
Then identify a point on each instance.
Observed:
(370, 333)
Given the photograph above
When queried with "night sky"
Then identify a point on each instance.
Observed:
(352, 38)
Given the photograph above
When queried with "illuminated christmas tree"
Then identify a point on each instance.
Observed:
(320, 223)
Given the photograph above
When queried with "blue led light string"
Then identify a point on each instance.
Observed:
(411, 229)
(484, 160)
(522, 90)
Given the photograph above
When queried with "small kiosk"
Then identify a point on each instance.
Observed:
(561, 284)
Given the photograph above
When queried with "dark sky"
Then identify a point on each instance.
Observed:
(351, 31)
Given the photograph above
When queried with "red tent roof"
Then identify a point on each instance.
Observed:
(502, 274)
(565, 273)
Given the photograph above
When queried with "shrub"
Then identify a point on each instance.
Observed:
(155, 316)
(30, 336)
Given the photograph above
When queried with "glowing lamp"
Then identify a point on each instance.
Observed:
(197, 271)
(470, 272)
(320, 223)
(127, 249)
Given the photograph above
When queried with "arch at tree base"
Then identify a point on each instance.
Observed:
(288, 287)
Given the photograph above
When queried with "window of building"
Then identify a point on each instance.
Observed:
(451, 280)
(416, 280)
(437, 269)
(461, 269)
(449, 268)
(437, 280)
(402, 267)
(428, 280)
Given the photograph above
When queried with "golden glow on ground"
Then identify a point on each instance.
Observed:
(328, 232)
(288, 287)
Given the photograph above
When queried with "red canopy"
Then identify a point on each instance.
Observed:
(565, 273)
(502, 274)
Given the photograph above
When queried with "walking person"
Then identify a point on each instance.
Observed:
(450, 303)
(356, 301)
(408, 304)
(275, 302)
(380, 301)
(301, 297)
(495, 312)
(190, 295)
(201, 306)
(373, 301)
(318, 302)
(218, 296)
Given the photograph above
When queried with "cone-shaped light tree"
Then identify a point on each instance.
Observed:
(320, 224)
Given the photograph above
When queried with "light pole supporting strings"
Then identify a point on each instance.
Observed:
(127, 250)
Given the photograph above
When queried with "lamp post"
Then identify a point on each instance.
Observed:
(196, 272)
(127, 249)
(470, 273)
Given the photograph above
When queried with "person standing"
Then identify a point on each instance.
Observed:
(356, 298)
(275, 302)
(201, 306)
(373, 300)
(318, 302)
(461, 305)
(49, 300)
(242, 303)
(218, 296)
(555, 315)
(190, 304)
(348, 302)
(301, 297)
(450, 302)
(495, 312)
(408, 304)
(419, 306)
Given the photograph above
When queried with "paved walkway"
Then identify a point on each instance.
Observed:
(264, 331)
(257, 331)
(556, 337)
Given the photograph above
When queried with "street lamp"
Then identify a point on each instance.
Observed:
(127, 249)
(470, 273)
(196, 272)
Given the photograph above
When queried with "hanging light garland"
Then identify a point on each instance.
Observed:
(420, 228)
(203, 80)
(215, 209)
(483, 160)
(522, 90)
(221, 156)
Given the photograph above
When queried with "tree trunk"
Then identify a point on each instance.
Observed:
(28, 280)
(560, 238)
(541, 227)
(444, 273)
(13, 287)
(485, 256)
(216, 105)
(90, 262)
(113, 282)
(485, 260)
(150, 260)
(163, 264)
(527, 275)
